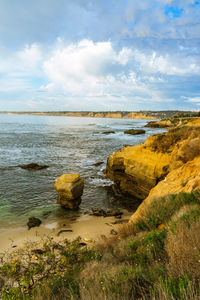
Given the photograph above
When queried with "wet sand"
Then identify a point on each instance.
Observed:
(89, 228)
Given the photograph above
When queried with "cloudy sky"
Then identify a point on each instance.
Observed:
(99, 55)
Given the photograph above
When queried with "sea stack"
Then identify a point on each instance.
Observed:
(70, 189)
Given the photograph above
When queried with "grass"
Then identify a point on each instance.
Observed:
(165, 142)
(144, 261)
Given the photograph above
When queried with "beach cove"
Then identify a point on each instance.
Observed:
(66, 145)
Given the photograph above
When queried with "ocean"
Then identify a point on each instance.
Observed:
(66, 145)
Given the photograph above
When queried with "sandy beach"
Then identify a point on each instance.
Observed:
(89, 228)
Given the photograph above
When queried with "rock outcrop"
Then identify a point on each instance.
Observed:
(134, 131)
(33, 166)
(135, 170)
(33, 222)
(184, 179)
(174, 122)
(70, 189)
(160, 124)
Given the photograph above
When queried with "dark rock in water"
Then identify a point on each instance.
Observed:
(97, 164)
(108, 213)
(33, 222)
(108, 132)
(134, 131)
(33, 166)
(114, 232)
(64, 230)
(2, 282)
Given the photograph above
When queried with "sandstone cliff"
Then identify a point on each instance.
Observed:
(174, 122)
(117, 115)
(136, 170)
(183, 179)
(165, 163)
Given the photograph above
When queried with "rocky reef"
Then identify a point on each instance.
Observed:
(165, 163)
(33, 166)
(134, 131)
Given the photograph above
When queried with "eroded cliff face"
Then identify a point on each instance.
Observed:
(184, 179)
(136, 170)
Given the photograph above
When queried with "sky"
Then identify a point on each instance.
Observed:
(99, 55)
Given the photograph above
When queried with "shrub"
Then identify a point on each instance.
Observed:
(162, 209)
(165, 142)
(183, 249)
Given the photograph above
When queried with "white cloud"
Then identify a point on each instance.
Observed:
(30, 56)
(166, 64)
(88, 69)
(85, 68)
(88, 73)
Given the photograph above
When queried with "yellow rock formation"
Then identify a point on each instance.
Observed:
(113, 115)
(136, 169)
(69, 188)
(195, 122)
(117, 115)
(137, 115)
(184, 179)
(165, 164)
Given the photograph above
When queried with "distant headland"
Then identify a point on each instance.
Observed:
(111, 114)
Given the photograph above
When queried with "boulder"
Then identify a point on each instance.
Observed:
(134, 131)
(33, 222)
(70, 189)
(33, 166)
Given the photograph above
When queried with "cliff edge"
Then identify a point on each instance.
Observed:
(166, 163)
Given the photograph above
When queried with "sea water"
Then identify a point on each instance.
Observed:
(66, 145)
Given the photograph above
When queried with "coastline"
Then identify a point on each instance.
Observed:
(112, 115)
(89, 228)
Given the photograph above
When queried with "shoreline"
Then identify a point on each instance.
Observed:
(89, 228)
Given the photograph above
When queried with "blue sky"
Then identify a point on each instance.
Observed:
(99, 55)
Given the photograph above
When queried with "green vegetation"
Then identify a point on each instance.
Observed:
(166, 142)
(157, 258)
